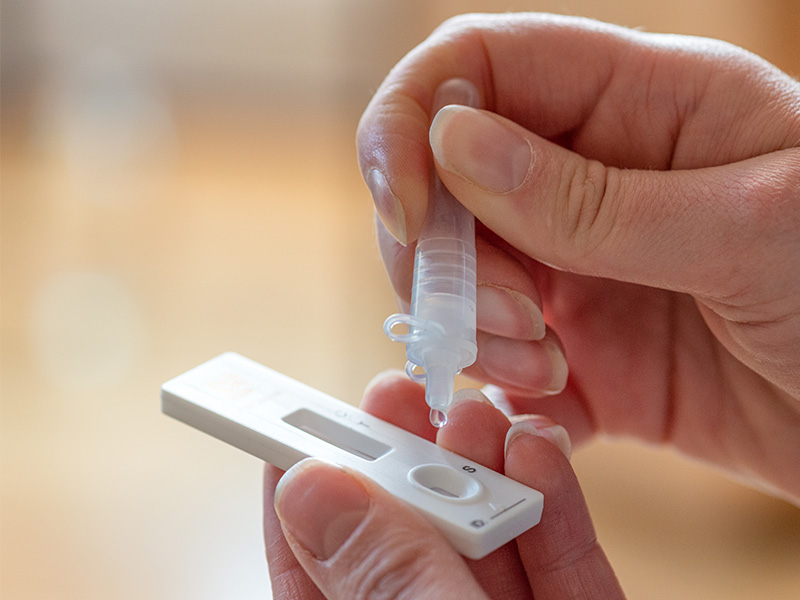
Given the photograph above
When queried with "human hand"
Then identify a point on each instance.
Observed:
(641, 190)
(347, 538)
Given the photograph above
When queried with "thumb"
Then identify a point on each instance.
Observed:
(684, 230)
(356, 541)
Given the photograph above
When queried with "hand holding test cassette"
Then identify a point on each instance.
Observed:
(283, 421)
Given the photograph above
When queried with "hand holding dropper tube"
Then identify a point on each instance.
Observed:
(442, 324)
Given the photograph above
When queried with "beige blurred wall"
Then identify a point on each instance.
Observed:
(179, 179)
(316, 48)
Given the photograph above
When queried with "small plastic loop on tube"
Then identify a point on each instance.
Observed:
(418, 329)
(417, 376)
(414, 330)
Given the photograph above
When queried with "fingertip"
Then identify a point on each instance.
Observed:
(385, 382)
(320, 505)
(539, 366)
(540, 426)
(288, 578)
(506, 312)
(537, 460)
(568, 409)
(487, 151)
(516, 431)
(393, 397)
(387, 205)
(397, 259)
(354, 539)
(475, 429)
(561, 555)
(456, 90)
(466, 395)
(395, 160)
(270, 479)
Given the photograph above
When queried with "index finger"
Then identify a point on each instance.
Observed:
(561, 555)
(499, 54)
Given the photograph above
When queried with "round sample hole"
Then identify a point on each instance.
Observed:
(445, 482)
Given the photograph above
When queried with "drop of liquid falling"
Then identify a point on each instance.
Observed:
(438, 417)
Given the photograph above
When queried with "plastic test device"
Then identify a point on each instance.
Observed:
(283, 421)
(442, 324)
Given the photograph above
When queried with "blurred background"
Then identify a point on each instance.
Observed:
(179, 179)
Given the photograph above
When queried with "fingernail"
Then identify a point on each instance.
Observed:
(320, 505)
(388, 206)
(544, 428)
(538, 366)
(559, 436)
(456, 91)
(559, 371)
(550, 430)
(467, 395)
(481, 148)
(516, 430)
(504, 311)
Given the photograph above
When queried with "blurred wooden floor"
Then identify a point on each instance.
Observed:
(131, 255)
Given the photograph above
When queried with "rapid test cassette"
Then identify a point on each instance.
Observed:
(283, 421)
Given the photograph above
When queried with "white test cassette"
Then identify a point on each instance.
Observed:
(283, 421)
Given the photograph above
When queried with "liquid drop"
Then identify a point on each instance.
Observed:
(438, 417)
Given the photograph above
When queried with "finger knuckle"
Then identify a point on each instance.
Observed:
(571, 557)
(387, 574)
(585, 203)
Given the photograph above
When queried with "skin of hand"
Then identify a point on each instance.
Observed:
(340, 536)
(640, 191)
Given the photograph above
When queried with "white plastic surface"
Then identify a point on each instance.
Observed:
(283, 421)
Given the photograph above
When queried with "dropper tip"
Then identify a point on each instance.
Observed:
(438, 418)
(440, 371)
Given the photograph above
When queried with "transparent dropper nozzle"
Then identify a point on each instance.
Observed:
(439, 391)
(442, 324)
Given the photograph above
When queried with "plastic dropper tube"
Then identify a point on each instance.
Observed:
(441, 327)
